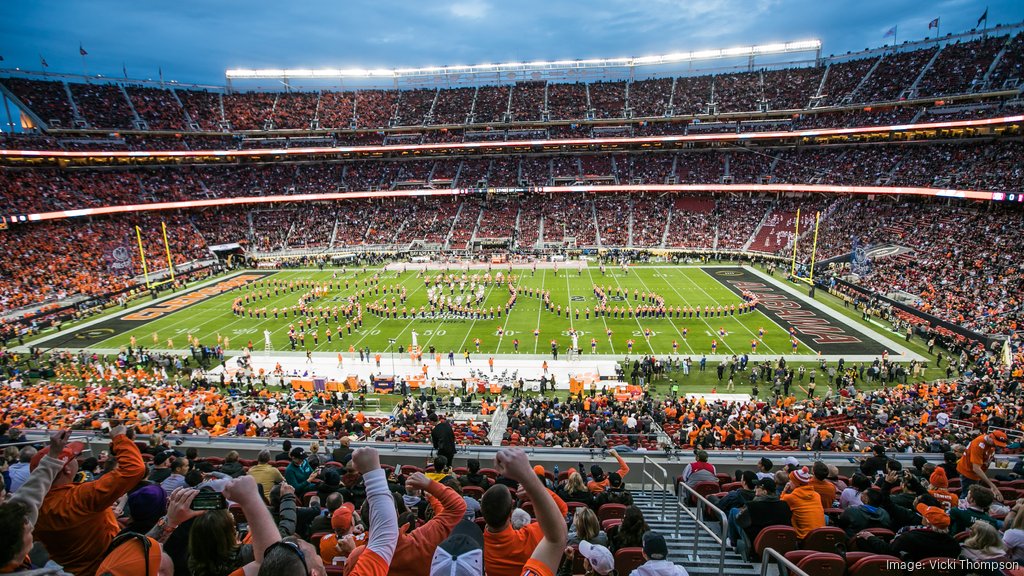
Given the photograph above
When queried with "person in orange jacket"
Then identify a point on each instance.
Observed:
(416, 548)
(599, 480)
(804, 502)
(76, 521)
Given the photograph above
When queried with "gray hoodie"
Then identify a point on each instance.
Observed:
(659, 568)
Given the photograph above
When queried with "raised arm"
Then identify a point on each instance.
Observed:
(101, 494)
(383, 518)
(34, 490)
(514, 464)
(245, 493)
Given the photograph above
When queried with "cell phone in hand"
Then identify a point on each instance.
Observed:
(209, 500)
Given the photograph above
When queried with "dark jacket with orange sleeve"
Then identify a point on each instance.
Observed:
(76, 521)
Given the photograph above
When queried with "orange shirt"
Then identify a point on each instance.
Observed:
(808, 513)
(978, 452)
(506, 552)
(76, 521)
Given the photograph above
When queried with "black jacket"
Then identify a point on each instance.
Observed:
(443, 438)
(762, 512)
(916, 544)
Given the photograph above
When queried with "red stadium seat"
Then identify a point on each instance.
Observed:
(627, 559)
(475, 492)
(825, 539)
(877, 565)
(823, 564)
(705, 489)
(611, 511)
(781, 538)
(608, 523)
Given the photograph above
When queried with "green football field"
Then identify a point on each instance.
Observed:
(683, 286)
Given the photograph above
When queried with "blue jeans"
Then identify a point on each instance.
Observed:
(965, 484)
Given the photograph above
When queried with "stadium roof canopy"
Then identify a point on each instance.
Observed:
(526, 70)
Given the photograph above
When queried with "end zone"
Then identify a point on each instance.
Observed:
(827, 331)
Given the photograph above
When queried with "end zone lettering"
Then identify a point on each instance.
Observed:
(803, 321)
(175, 304)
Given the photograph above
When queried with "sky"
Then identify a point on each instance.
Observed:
(195, 41)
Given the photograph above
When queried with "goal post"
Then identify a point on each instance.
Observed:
(167, 252)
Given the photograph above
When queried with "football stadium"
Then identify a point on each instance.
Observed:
(749, 303)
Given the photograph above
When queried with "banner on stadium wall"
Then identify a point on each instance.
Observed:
(119, 260)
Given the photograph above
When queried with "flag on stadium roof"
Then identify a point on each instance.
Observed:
(933, 24)
(890, 32)
(82, 50)
(983, 17)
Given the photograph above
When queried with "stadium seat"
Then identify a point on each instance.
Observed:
(824, 539)
(489, 472)
(731, 486)
(627, 559)
(573, 507)
(528, 507)
(876, 565)
(475, 492)
(704, 489)
(608, 523)
(315, 539)
(335, 570)
(823, 564)
(782, 538)
(611, 511)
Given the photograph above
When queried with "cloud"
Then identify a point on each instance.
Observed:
(469, 9)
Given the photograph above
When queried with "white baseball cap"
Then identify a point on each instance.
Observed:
(600, 558)
(791, 461)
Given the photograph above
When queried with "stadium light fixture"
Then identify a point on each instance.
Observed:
(671, 58)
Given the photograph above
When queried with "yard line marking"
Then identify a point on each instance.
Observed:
(669, 316)
(540, 308)
(741, 323)
(605, 322)
(508, 314)
(703, 318)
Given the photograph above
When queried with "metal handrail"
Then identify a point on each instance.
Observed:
(771, 553)
(663, 483)
(699, 519)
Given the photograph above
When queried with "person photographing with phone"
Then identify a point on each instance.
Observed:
(77, 521)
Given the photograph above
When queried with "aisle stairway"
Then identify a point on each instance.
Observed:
(680, 546)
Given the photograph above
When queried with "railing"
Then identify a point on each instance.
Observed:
(770, 553)
(702, 504)
(664, 483)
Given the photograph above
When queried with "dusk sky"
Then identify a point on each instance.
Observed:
(195, 41)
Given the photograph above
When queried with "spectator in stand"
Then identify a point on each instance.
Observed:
(339, 544)
(631, 531)
(826, 490)
(805, 503)
(985, 544)
(851, 497)
(76, 522)
(179, 467)
(973, 465)
(598, 481)
(19, 512)
(442, 437)
(415, 548)
(738, 497)
(764, 510)
(585, 526)
(265, 474)
(473, 476)
(876, 463)
(538, 546)
(574, 490)
(930, 539)
(979, 500)
(299, 474)
(343, 452)
(161, 469)
(655, 551)
(19, 471)
(869, 514)
(231, 466)
(940, 489)
(1013, 537)
(700, 470)
(597, 559)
